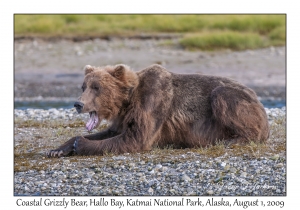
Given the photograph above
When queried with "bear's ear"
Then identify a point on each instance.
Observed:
(124, 74)
(119, 71)
(88, 69)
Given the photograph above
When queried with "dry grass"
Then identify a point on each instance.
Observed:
(33, 139)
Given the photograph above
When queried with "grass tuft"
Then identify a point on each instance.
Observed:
(222, 40)
(278, 33)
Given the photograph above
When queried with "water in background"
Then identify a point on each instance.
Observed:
(70, 104)
(43, 104)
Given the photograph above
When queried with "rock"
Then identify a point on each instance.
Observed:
(210, 192)
(96, 188)
(164, 169)
(86, 181)
(158, 167)
(66, 161)
(222, 164)
(233, 170)
(275, 157)
(243, 174)
(26, 188)
(150, 191)
(186, 178)
(90, 174)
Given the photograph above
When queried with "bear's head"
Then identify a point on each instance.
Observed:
(105, 91)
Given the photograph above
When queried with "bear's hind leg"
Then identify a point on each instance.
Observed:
(241, 114)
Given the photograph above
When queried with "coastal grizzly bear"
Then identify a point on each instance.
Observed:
(154, 107)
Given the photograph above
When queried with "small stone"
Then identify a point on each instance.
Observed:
(96, 189)
(86, 181)
(66, 161)
(227, 167)
(210, 192)
(172, 191)
(223, 164)
(150, 191)
(158, 166)
(151, 182)
(37, 183)
(131, 165)
(63, 176)
(233, 170)
(90, 174)
(151, 172)
(53, 184)
(279, 165)
(114, 177)
(119, 157)
(275, 157)
(193, 193)
(218, 179)
(185, 178)
(243, 174)
(72, 176)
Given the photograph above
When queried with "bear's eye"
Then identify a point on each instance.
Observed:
(95, 87)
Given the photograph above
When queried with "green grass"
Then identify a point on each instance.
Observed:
(256, 30)
(223, 40)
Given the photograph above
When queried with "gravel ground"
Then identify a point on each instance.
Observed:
(125, 175)
(180, 172)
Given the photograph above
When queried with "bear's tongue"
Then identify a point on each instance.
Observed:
(93, 121)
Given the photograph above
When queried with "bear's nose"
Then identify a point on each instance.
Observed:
(78, 105)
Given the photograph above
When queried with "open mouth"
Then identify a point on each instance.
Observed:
(93, 121)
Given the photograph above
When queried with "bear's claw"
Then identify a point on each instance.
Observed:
(75, 145)
(55, 153)
(69, 148)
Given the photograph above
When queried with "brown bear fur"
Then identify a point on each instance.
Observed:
(154, 107)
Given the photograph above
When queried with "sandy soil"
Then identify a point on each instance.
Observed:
(54, 68)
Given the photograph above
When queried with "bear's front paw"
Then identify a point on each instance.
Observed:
(68, 148)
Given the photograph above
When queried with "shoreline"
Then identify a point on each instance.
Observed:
(71, 114)
(54, 69)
